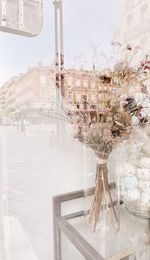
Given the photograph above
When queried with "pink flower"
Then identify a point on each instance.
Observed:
(145, 64)
(129, 48)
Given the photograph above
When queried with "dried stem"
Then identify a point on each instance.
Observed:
(102, 193)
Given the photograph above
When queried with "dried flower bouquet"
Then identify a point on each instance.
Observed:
(103, 125)
(101, 130)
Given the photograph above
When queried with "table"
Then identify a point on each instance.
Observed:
(74, 241)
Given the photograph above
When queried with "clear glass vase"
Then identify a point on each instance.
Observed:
(101, 194)
(135, 174)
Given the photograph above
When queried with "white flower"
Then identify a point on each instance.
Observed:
(143, 174)
(145, 162)
(144, 186)
(133, 194)
(135, 120)
(130, 182)
(129, 168)
(145, 198)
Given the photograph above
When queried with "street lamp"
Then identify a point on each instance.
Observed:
(59, 65)
(59, 46)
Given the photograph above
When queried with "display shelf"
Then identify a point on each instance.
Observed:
(73, 239)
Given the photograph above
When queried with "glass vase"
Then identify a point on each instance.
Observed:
(135, 174)
(101, 193)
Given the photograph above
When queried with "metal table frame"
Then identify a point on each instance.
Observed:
(61, 225)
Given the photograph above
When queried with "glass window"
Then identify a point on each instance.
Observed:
(93, 84)
(43, 93)
(69, 82)
(51, 81)
(70, 95)
(42, 79)
(93, 97)
(78, 96)
(78, 82)
(53, 94)
(85, 83)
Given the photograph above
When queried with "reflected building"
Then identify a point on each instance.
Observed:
(35, 90)
(10, 95)
(32, 91)
(3, 97)
(79, 83)
(134, 28)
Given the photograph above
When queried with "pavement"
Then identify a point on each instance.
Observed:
(34, 167)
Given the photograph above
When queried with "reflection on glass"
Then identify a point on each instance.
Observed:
(21, 17)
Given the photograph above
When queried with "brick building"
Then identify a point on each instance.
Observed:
(80, 83)
(35, 90)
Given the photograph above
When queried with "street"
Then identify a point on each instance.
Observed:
(35, 167)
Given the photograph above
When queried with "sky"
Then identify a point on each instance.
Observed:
(88, 27)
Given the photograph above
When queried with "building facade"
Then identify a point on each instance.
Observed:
(35, 91)
(134, 30)
(32, 91)
(3, 97)
(134, 26)
(10, 95)
(79, 83)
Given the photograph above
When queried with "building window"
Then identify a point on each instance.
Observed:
(52, 81)
(69, 82)
(78, 82)
(85, 83)
(42, 79)
(78, 96)
(93, 98)
(43, 93)
(93, 84)
(53, 94)
(70, 95)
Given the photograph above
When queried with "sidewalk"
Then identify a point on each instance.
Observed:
(16, 245)
(34, 169)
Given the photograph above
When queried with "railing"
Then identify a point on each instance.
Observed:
(61, 225)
